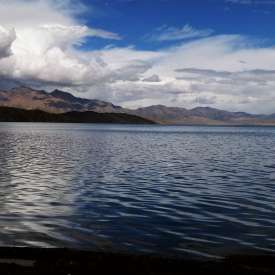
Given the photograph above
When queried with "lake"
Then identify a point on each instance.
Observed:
(169, 190)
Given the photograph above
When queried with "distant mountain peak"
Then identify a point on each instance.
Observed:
(63, 95)
(57, 101)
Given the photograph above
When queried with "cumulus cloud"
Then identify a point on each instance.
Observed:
(44, 45)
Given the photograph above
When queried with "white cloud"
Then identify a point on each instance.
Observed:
(43, 43)
(22, 14)
(226, 71)
(166, 33)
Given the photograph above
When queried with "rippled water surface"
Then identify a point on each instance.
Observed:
(206, 191)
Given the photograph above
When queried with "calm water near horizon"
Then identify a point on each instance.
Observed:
(172, 190)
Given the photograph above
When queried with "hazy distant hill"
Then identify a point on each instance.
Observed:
(8, 114)
(202, 115)
(59, 102)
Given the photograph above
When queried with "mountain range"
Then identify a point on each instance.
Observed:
(60, 102)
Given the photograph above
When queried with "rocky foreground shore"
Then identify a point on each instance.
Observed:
(64, 261)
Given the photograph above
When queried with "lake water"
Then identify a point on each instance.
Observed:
(199, 191)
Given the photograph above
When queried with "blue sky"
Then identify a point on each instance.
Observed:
(135, 53)
(135, 19)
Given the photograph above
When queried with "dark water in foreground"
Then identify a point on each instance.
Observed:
(169, 190)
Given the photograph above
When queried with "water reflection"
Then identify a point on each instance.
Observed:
(173, 190)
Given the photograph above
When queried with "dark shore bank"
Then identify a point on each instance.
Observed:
(20, 115)
(65, 261)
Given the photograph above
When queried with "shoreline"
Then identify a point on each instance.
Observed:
(146, 124)
(23, 260)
